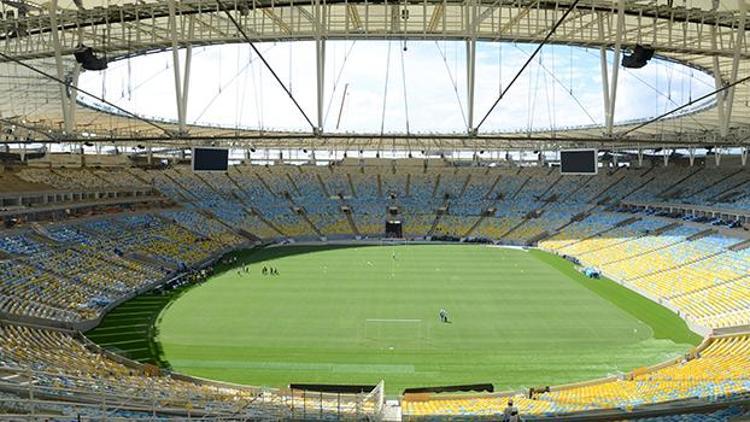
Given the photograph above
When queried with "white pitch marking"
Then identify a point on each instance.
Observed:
(392, 320)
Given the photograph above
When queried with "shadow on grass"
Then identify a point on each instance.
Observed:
(258, 255)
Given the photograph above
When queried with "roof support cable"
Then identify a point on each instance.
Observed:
(533, 95)
(238, 112)
(265, 63)
(570, 83)
(659, 92)
(688, 104)
(453, 82)
(385, 88)
(244, 82)
(403, 81)
(85, 92)
(568, 89)
(338, 79)
(526, 64)
(550, 95)
(222, 87)
(499, 67)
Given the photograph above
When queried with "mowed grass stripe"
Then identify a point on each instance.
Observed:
(127, 329)
(518, 319)
(665, 323)
(123, 333)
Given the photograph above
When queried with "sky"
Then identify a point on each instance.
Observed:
(419, 90)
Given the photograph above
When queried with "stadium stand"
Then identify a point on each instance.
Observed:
(73, 271)
(726, 414)
(59, 366)
(716, 371)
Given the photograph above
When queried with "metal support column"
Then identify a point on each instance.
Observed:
(320, 60)
(176, 65)
(471, 59)
(604, 70)
(739, 43)
(605, 82)
(73, 94)
(186, 76)
(718, 84)
(68, 124)
(615, 66)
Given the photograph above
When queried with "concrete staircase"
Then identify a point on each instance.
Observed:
(350, 218)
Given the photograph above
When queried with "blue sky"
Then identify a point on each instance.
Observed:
(230, 87)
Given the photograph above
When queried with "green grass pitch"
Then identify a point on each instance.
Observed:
(357, 315)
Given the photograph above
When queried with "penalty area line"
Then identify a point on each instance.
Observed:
(392, 320)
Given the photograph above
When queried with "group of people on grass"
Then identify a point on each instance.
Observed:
(244, 269)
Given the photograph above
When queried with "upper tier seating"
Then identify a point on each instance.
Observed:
(85, 266)
(74, 179)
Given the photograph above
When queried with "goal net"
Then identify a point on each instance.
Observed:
(392, 242)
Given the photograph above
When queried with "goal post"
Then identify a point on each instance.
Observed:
(392, 241)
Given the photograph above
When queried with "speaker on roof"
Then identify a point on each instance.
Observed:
(88, 60)
(640, 56)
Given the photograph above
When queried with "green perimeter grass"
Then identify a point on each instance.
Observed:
(129, 329)
(665, 323)
(356, 315)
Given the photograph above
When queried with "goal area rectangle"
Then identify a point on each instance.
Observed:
(395, 332)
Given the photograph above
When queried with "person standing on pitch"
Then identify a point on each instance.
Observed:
(443, 315)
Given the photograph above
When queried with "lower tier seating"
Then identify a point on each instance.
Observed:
(719, 371)
(64, 368)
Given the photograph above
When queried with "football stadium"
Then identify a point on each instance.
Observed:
(413, 210)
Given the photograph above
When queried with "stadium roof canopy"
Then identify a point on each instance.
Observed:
(38, 72)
